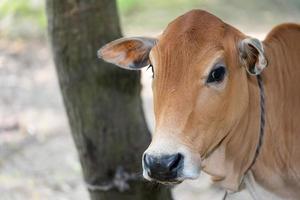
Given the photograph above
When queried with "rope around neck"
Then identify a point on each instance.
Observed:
(262, 125)
(262, 121)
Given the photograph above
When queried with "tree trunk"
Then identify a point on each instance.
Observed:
(103, 102)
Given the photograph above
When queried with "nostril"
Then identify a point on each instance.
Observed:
(147, 160)
(175, 161)
(146, 164)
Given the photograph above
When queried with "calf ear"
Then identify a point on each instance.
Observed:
(252, 55)
(128, 53)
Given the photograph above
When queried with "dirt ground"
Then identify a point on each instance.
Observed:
(37, 156)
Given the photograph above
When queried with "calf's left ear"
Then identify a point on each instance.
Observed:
(128, 53)
(252, 55)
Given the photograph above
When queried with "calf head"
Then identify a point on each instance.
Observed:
(200, 89)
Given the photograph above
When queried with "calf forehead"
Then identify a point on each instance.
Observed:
(196, 28)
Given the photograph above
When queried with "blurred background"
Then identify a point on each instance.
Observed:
(37, 156)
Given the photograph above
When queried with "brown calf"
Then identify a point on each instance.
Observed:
(207, 107)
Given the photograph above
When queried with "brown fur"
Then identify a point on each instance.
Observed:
(278, 166)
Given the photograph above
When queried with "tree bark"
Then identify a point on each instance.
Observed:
(102, 102)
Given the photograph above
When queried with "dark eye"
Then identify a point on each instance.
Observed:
(216, 75)
(150, 66)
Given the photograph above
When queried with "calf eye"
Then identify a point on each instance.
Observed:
(216, 75)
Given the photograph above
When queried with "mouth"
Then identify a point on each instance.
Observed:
(170, 183)
(171, 180)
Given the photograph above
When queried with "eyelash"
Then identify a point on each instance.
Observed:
(152, 69)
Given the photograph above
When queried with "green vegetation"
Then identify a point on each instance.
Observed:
(22, 17)
(27, 17)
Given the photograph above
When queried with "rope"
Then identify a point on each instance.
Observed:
(262, 125)
(262, 120)
(119, 182)
(225, 196)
